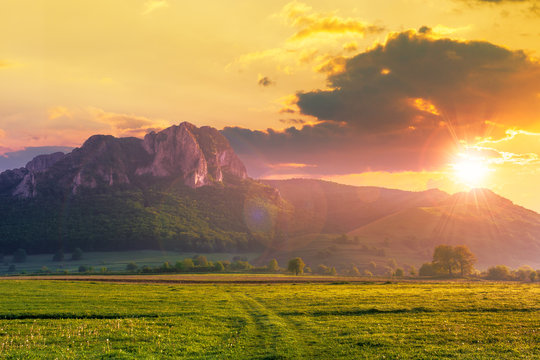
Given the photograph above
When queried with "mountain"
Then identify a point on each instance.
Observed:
(495, 229)
(383, 224)
(180, 188)
(329, 207)
(196, 156)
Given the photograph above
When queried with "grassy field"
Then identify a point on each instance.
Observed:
(95, 320)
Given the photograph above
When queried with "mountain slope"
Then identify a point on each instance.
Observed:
(495, 229)
(180, 188)
(328, 207)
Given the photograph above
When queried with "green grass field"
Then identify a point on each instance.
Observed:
(89, 320)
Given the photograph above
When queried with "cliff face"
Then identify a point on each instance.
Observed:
(196, 156)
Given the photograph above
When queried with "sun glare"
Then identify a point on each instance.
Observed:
(471, 171)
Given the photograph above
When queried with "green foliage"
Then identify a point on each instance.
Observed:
(161, 215)
(499, 272)
(131, 266)
(200, 260)
(273, 266)
(427, 269)
(188, 264)
(19, 256)
(296, 266)
(219, 267)
(448, 259)
(83, 269)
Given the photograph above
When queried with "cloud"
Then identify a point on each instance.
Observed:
(409, 104)
(265, 81)
(415, 80)
(310, 23)
(152, 5)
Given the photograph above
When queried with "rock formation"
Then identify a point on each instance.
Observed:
(197, 156)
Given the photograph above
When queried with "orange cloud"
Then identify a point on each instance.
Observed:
(310, 23)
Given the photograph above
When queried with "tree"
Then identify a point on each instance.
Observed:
(399, 272)
(412, 271)
(499, 272)
(218, 266)
(131, 266)
(77, 254)
(83, 269)
(465, 259)
(19, 256)
(273, 266)
(532, 276)
(188, 264)
(200, 260)
(426, 270)
(354, 271)
(58, 256)
(296, 266)
(444, 258)
(333, 271)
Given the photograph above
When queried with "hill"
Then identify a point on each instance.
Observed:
(182, 188)
(385, 224)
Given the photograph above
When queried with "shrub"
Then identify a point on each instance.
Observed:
(201, 261)
(218, 266)
(45, 270)
(188, 264)
(83, 269)
(58, 256)
(524, 273)
(273, 266)
(333, 271)
(77, 254)
(131, 266)
(499, 272)
(427, 269)
(399, 272)
(19, 256)
(532, 276)
(412, 271)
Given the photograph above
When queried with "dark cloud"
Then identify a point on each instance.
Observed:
(292, 121)
(17, 159)
(466, 82)
(404, 105)
(265, 81)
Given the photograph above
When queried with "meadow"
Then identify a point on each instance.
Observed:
(98, 320)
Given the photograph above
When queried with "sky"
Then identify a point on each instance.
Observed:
(409, 94)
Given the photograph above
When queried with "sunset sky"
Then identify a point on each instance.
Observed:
(410, 94)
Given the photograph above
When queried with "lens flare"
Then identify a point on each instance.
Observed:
(471, 171)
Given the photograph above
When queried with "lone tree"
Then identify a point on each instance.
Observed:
(444, 258)
(273, 266)
(465, 259)
(296, 266)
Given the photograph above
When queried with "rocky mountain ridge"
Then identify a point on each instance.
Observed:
(195, 156)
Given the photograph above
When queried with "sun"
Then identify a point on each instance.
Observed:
(471, 171)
